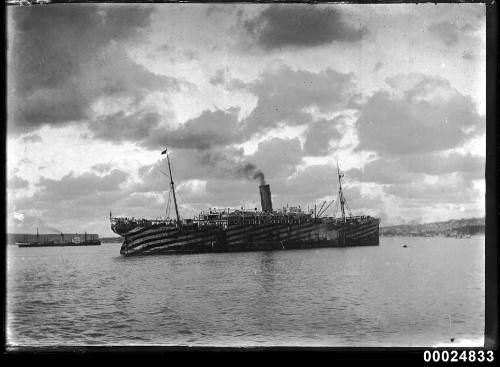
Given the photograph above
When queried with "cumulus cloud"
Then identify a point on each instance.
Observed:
(284, 95)
(294, 189)
(28, 223)
(231, 193)
(16, 182)
(278, 157)
(448, 32)
(221, 10)
(437, 164)
(31, 138)
(76, 214)
(120, 126)
(410, 168)
(415, 129)
(454, 189)
(379, 65)
(166, 47)
(192, 189)
(209, 129)
(65, 58)
(357, 203)
(102, 167)
(73, 201)
(219, 77)
(319, 134)
(428, 116)
(382, 171)
(147, 128)
(154, 178)
(70, 186)
(299, 26)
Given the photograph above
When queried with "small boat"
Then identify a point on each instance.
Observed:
(404, 246)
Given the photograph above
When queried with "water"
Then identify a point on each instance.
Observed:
(422, 295)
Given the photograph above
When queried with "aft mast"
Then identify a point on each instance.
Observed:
(173, 188)
(341, 194)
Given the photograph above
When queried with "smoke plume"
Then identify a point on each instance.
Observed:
(250, 171)
(233, 167)
(43, 227)
(26, 222)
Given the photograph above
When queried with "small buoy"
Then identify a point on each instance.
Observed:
(452, 339)
(405, 246)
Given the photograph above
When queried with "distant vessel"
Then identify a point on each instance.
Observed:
(88, 240)
(229, 230)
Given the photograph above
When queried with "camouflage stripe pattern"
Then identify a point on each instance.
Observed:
(255, 237)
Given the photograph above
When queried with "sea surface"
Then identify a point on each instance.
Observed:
(387, 295)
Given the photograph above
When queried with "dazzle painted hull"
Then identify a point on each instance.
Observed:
(258, 237)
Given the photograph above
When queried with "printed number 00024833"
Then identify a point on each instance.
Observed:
(457, 356)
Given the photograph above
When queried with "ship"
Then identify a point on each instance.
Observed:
(234, 230)
(87, 240)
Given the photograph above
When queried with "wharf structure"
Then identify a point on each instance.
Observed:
(59, 240)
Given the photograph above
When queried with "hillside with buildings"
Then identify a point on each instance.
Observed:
(450, 228)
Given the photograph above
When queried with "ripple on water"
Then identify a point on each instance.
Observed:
(339, 297)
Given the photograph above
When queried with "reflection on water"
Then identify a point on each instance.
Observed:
(387, 295)
(268, 270)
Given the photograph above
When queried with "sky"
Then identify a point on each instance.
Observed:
(394, 93)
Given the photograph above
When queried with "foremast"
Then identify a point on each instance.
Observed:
(173, 187)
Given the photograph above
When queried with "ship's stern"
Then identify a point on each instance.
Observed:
(364, 233)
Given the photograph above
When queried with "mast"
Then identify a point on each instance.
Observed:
(341, 195)
(173, 188)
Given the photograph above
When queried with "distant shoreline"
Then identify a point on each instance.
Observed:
(433, 236)
(458, 228)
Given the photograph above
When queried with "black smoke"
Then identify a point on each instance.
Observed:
(250, 171)
(32, 223)
(232, 166)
